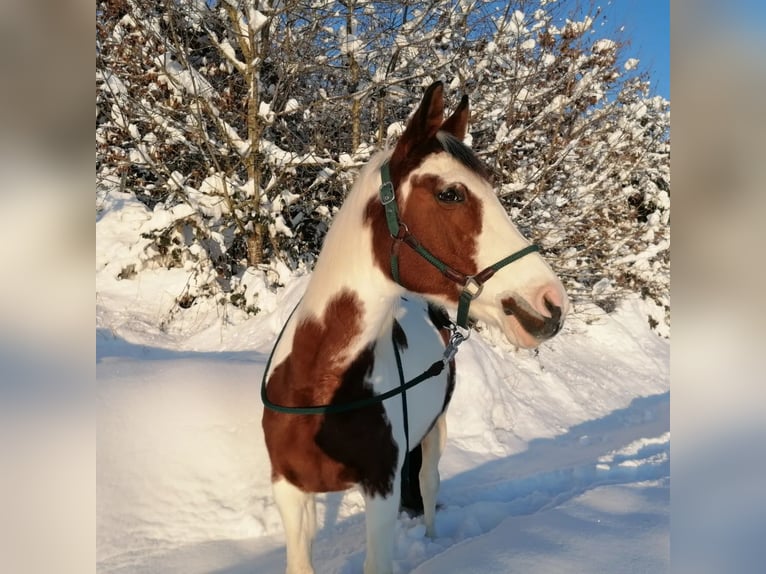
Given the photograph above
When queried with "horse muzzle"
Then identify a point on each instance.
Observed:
(539, 325)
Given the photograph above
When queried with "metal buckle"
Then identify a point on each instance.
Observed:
(387, 193)
(455, 340)
(471, 280)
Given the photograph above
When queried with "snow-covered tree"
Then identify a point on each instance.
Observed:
(242, 124)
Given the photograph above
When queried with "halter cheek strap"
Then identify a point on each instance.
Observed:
(472, 285)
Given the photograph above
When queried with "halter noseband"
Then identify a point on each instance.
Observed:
(472, 285)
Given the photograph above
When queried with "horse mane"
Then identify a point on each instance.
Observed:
(461, 152)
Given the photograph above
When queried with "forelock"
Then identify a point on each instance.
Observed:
(461, 152)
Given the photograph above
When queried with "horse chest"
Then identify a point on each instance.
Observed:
(331, 452)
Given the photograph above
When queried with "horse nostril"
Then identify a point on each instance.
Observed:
(548, 304)
(553, 309)
(553, 323)
(551, 300)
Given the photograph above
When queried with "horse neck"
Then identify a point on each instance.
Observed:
(346, 266)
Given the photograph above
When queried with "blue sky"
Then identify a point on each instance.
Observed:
(647, 27)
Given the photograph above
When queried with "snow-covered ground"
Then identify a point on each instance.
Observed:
(557, 461)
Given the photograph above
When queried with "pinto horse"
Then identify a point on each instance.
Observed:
(420, 235)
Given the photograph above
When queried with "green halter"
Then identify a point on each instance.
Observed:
(471, 284)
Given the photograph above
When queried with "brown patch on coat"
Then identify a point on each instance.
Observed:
(448, 232)
(324, 453)
(401, 165)
(361, 440)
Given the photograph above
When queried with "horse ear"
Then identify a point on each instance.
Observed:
(424, 123)
(429, 116)
(457, 123)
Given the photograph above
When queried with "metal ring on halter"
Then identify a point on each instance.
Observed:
(455, 340)
(401, 236)
(471, 280)
(458, 333)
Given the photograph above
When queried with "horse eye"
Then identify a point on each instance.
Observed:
(451, 194)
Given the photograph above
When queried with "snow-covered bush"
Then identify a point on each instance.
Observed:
(254, 117)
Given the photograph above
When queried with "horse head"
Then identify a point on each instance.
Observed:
(447, 236)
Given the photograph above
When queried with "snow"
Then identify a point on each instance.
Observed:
(231, 54)
(161, 218)
(292, 106)
(279, 226)
(516, 23)
(597, 529)
(604, 45)
(350, 44)
(264, 111)
(209, 199)
(580, 27)
(257, 20)
(557, 460)
(395, 129)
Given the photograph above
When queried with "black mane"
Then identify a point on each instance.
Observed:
(461, 152)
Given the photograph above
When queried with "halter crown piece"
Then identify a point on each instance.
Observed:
(472, 285)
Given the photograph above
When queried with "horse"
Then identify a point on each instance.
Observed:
(420, 235)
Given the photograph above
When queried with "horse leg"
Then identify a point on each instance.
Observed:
(298, 511)
(433, 446)
(381, 514)
(412, 501)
